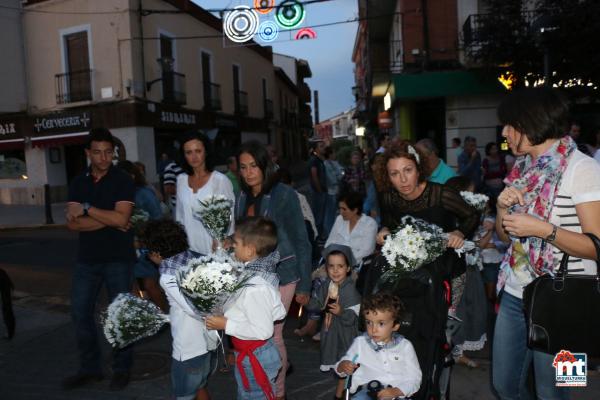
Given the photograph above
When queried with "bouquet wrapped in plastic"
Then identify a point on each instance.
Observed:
(129, 318)
(476, 200)
(216, 216)
(414, 244)
(138, 218)
(207, 282)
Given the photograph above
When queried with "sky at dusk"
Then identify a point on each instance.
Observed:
(329, 56)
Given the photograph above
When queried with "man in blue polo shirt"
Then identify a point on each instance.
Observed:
(440, 171)
(100, 204)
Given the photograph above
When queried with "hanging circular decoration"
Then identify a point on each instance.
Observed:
(268, 31)
(305, 33)
(240, 24)
(264, 6)
(289, 14)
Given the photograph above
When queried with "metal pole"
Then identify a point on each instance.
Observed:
(48, 204)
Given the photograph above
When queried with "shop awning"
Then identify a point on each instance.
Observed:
(58, 140)
(444, 84)
(12, 144)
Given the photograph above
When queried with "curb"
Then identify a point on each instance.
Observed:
(31, 227)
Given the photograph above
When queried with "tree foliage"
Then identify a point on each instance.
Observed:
(510, 35)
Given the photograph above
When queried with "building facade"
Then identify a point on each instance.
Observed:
(149, 70)
(411, 69)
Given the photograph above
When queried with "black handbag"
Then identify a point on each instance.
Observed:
(563, 312)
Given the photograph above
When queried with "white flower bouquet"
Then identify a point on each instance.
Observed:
(138, 218)
(476, 200)
(129, 318)
(215, 214)
(207, 282)
(416, 243)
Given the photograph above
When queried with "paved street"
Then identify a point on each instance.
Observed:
(42, 352)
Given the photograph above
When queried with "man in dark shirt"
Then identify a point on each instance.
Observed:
(100, 204)
(318, 184)
(469, 162)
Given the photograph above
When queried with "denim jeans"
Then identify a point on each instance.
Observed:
(318, 201)
(190, 375)
(512, 358)
(268, 357)
(87, 281)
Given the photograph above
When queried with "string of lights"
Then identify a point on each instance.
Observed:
(220, 35)
(145, 12)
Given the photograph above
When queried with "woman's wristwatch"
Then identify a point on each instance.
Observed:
(551, 237)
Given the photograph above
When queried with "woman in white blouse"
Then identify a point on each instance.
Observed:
(352, 228)
(198, 182)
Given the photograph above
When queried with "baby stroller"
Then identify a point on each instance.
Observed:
(425, 294)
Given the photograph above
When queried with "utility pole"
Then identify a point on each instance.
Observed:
(316, 97)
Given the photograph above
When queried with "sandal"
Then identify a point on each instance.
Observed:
(464, 360)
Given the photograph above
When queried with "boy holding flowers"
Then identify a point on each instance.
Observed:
(250, 313)
(193, 358)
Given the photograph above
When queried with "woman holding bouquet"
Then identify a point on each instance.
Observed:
(262, 195)
(552, 195)
(401, 177)
(198, 182)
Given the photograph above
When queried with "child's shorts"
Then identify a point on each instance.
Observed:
(269, 359)
(190, 375)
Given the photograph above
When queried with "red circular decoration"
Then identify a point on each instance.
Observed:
(306, 33)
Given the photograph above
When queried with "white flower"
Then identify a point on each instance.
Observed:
(476, 200)
(207, 282)
(129, 319)
(215, 214)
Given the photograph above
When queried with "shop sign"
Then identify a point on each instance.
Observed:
(7, 128)
(177, 118)
(384, 120)
(62, 122)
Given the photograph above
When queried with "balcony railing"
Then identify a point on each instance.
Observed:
(478, 29)
(268, 109)
(173, 87)
(212, 96)
(73, 86)
(241, 102)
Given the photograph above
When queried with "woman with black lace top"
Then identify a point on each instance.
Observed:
(401, 178)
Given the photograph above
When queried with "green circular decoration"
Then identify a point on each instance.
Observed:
(289, 14)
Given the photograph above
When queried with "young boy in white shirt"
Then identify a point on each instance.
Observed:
(193, 345)
(251, 312)
(382, 363)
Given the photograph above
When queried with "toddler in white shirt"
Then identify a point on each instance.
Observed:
(251, 312)
(381, 362)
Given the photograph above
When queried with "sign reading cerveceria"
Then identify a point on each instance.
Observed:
(62, 122)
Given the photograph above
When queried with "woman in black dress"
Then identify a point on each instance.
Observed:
(401, 178)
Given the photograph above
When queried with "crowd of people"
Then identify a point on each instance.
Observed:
(394, 338)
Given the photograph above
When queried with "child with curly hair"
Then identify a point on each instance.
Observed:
(193, 345)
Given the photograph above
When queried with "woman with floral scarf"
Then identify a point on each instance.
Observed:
(552, 195)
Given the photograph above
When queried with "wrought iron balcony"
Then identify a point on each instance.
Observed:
(481, 29)
(241, 102)
(173, 84)
(73, 86)
(268, 109)
(212, 96)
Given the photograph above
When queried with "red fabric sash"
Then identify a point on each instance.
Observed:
(245, 348)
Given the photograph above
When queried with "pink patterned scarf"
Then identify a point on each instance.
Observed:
(532, 256)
